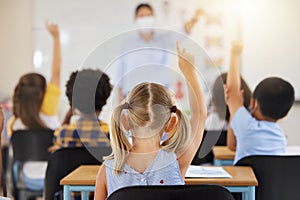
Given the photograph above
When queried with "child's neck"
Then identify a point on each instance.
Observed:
(259, 116)
(145, 145)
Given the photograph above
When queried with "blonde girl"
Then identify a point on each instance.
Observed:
(149, 111)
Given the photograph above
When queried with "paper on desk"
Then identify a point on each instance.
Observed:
(206, 172)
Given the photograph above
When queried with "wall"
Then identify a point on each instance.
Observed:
(290, 125)
(270, 31)
(16, 42)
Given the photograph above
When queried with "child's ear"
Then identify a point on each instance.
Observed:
(171, 124)
(253, 105)
(125, 122)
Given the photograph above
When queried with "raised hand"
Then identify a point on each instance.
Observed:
(236, 48)
(53, 29)
(186, 61)
(198, 13)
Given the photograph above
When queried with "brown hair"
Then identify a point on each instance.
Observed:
(27, 100)
(218, 98)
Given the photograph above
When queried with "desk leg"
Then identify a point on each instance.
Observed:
(84, 195)
(217, 162)
(251, 193)
(248, 192)
(67, 192)
(223, 162)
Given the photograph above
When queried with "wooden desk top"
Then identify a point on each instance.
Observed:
(223, 153)
(241, 176)
(83, 175)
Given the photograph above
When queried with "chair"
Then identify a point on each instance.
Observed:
(210, 139)
(28, 145)
(64, 161)
(178, 192)
(278, 176)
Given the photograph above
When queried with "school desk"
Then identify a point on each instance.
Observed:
(223, 156)
(243, 180)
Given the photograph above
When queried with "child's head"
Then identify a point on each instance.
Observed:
(274, 97)
(218, 98)
(147, 113)
(27, 100)
(88, 90)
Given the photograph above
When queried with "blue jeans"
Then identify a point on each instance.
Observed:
(33, 184)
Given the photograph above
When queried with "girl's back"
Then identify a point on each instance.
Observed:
(164, 170)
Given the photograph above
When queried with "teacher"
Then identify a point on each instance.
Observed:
(147, 47)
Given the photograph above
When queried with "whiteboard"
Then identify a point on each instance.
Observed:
(271, 35)
(85, 25)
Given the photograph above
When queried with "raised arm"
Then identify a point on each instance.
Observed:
(197, 107)
(233, 93)
(188, 26)
(231, 139)
(56, 59)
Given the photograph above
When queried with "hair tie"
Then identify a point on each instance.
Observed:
(174, 109)
(126, 106)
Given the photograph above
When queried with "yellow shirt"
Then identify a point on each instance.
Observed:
(51, 100)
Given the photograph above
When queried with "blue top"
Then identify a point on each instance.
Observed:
(164, 170)
(256, 137)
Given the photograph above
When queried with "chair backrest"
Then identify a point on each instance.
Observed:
(65, 160)
(210, 139)
(31, 145)
(179, 192)
(278, 176)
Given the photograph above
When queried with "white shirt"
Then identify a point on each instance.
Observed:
(142, 61)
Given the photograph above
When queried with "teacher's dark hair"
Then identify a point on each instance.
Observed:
(143, 5)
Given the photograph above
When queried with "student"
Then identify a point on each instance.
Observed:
(146, 113)
(219, 117)
(88, 130)
(35, 107)
(257, 132)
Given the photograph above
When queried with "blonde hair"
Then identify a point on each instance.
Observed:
(142, 111)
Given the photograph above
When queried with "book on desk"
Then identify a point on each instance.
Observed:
(206, 172)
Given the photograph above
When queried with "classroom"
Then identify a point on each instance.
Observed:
(140, 99)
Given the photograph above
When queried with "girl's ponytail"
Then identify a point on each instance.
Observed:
(119, 141)
(180, 135)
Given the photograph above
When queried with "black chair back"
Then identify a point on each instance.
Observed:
(278, 176)
(65, 160)
(210, 139)
(28, 145)
(178, 192)
(31, 145)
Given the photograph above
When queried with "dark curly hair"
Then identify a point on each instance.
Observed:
(137, 9)
(88, 90)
